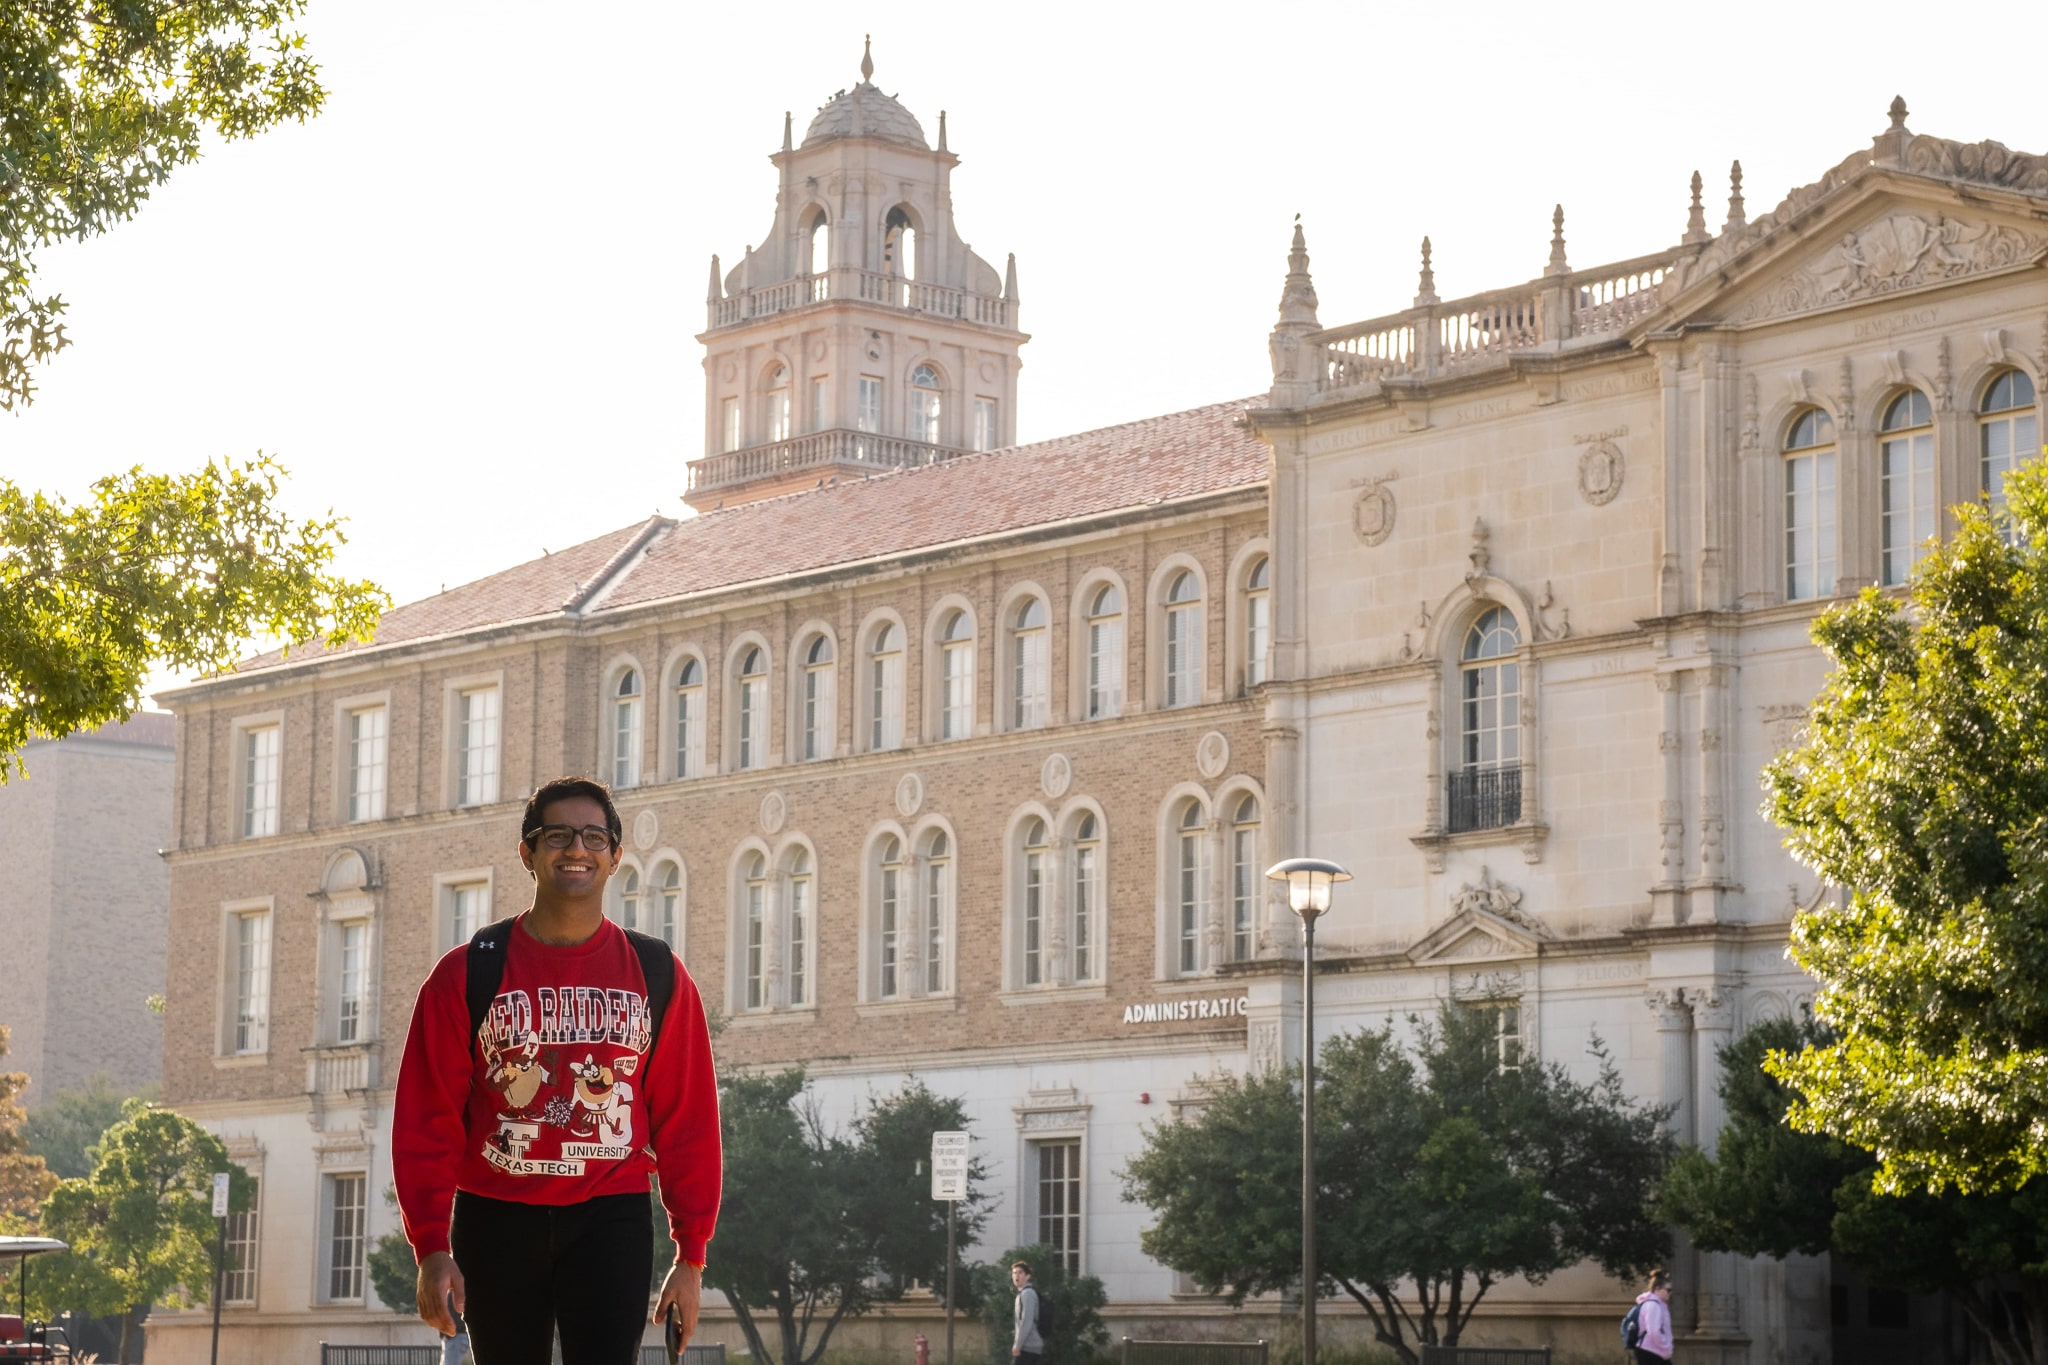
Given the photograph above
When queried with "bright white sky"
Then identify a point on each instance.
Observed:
(461, 304)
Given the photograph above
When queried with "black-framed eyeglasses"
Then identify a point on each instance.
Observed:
(596, 838)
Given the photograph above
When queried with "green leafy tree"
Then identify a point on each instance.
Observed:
(64, 1127)
(1772, 1190)
(1440, 1173)
(98, 103)
(392, 1266)
(155, 569)
(141, 1225)
(818, 1226)
(1077, 1301)
(1922, 787)
(24, 1176)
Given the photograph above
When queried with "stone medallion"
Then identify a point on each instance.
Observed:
(1600, 471)
(909, 795)
(1056, 776)
(646, 829)
(1212, 755)
(1372, 516)
(774, 813)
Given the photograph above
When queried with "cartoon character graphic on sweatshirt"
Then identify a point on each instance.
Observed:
(519, 1075)
(603, 1110)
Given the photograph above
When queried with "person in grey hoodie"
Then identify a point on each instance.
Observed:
(1654, 1347)
(1028, 1345)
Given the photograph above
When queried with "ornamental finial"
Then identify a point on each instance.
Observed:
(1898, 113)
(1557, 264)
(1695, 216)
(1425, 286)
(1737, 218)
(867, 57)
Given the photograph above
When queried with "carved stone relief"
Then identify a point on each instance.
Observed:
(1498, 899)
(1212, 755)
(1055, 775)
(1372, 516)
(1263, 1039)
(1896, 252)
(774, 813)
(1600, 473)
(909, 795)
(646, 829)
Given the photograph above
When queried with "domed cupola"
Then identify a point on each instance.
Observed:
(865, 111)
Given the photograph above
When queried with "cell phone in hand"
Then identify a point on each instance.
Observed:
(672, 1335)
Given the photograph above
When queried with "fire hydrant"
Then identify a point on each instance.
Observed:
(924, 1350)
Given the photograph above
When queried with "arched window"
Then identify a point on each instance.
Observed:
(1245, 879)
(1183, 640)
(924, 405)
(899, 245)
(626, 903)
(1035, 900)
(817, 246)
(1906, 459)
(1086, 900)
(1105, 652)
(778, 403)
(1187, 887)
(690, 719)
(626, 730)
(1810, 506)
(2007, 432)
(937, 903)
(1258, 620)
(754, 931)
(1486, 789)
(1030, 666)
(889, 918)
(817, 699)
(885, 688)
(665, 908)
(798, 938)
(956, 676)
(753, 704)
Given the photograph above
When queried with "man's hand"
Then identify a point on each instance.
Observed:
(440, 1282)
(683, 1289)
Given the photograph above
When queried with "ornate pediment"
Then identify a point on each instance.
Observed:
(1902, 250)
(1487, 921)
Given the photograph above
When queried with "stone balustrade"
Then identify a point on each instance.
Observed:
(867, 286)
(1460, 334)
(834, 451)
(337, 1069)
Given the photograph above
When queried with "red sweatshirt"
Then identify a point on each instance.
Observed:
(555, 1101)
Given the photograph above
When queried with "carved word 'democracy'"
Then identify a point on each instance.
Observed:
(1179, 1011)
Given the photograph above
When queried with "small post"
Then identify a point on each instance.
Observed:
(951, 1204)
(220, 1246)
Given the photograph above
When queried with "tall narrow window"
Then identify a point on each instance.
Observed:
(899, 246)
(366, 748)
(869, 413)
(1187, 888)
(956, 676)
(252, 982)
(2007, 433)
(238, 1284)
(729, 424)
(817, 699)
(938, 892)
(477, 747)
(1258, 620)
(1030, 667)
(1486, 790)
(778, 403)
(821, 410)
(346, 1210)
(627, 907)
(889, 917)
(626, 730)
(1245, 880)
(817, 248)
(1087, 893)
(1906, 456)
(756, 930)
(799, 927)
(348, 1021)
(1810, 506)
(924, 405)
(666, 917)
(1059, 1201)
(468, 909)
(1034, 901)
(885, 689)
(1105, 653)
(1183, 640)
(690, 719)
(753, 717)
(1507, 1036)
(261, 757)
(986, 433)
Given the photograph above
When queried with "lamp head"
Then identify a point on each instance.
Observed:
(1308, 884)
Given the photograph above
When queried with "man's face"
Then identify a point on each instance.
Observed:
(1017, 1276)
(575, 871)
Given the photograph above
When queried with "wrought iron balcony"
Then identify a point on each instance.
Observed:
(1485, 798)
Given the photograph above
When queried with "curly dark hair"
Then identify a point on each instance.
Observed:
(563, 789)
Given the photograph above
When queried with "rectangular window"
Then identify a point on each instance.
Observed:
(252, 981)
(753, 709)
(729, 425)
(367, 731)
(799, 935)
(886, 724)
(477, 746)
(778, 415)
(467, 909)
(238, 1283)
(690, 721)
(348, 1023)
(1034, 913)
(1244, 890)
(755, 946)
(985, 433)
(890, 913)
(1507, 1036)
(1907, 488)
(1810, 526)
(346, 1210)
(869, 415)
(1059, 1201)
(1084, 911)
(821, 412)
(261, 754)
(924, 415)
(934, 926)
(1189, 895)
(1032, 679)
(1105, 668)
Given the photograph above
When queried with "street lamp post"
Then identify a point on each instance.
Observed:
(1308, 894)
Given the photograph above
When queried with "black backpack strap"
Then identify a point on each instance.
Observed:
(658, 966)
(486, 970)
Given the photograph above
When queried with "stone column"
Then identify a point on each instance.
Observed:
(1667, 895)
(1713, 1017)
(1282, 930)
(1675, 1090)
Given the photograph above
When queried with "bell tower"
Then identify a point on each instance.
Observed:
(862, 334)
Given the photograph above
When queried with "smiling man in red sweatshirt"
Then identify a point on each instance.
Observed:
(521, 1149)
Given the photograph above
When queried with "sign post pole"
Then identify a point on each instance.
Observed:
(220, 1246)
(949, 1182)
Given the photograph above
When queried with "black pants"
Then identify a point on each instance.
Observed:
(1643, 1357)
(529, 1269)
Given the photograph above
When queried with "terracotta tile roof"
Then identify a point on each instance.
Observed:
(1159, 459)
(1137, 464)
